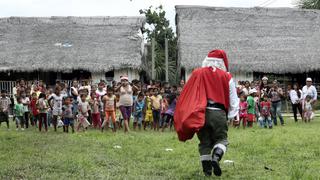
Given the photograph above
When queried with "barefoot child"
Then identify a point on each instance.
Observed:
(138, 111)
(19, 114)
(110, 106)
(265, 115)
(243, 111)
(148, 110)
(95, 110)
(67, 115)
(42, 105)
(55, 103)
(251, 107)
(34, 109)
(308, 113)
(156, 101)
(26, 102)
(83, 108)
(164, 108)
(5, 103)
(168, 115)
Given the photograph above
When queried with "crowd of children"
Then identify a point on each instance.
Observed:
(261, 103)
(97, 106)
(152, 106)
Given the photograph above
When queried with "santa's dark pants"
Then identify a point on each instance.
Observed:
(213, 136)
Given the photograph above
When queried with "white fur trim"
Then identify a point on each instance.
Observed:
(214, 62)
(221, 146)
(206, 157)
(214, 59)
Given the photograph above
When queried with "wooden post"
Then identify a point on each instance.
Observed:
(167, 60)
(152, 58)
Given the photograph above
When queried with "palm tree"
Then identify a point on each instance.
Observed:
(309, 4)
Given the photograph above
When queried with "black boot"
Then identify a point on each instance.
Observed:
(216, 157)
(207, 168)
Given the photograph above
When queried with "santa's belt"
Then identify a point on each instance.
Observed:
(216, 106)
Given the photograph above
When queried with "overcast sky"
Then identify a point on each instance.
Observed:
(117, 7)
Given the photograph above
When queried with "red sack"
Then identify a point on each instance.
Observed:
(204, 83)
(189, 116)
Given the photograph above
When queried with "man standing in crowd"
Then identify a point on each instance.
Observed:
(310, 90)
(207, 100)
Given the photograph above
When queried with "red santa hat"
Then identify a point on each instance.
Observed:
(217, 58)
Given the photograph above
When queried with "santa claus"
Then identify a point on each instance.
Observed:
(208, 100)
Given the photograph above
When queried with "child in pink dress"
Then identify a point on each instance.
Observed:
(308, 113)
(243, 111)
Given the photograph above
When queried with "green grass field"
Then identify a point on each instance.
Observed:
(292, 152)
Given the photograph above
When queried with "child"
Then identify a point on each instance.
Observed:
(26, 102)
(148, 109)
(308, 113)
(19, 113)
(138, 109)
(55, 103)
(34, 109)
(83, 108)
(95, 110)
(265, 116)
(5, 103)
(49, 93)
(43, 107)
(243, 111)
(110, 106)
(251, 107)
(168, 115)
(164, 108)
(156, 101)
(257, 102)
(67, 115)
(119, 117)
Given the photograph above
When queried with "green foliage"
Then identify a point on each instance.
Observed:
(158, 27)
(309, 4)
(291, 151)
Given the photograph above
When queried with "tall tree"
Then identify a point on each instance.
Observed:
(158, 27)
(309, 4)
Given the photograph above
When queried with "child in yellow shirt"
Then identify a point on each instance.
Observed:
(148, 110)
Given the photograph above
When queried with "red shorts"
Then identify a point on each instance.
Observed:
(251, 117)
(243, 115)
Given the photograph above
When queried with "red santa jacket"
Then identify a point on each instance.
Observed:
(204, 84)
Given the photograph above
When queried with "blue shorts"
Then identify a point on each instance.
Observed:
(68, 121)
(138, 117)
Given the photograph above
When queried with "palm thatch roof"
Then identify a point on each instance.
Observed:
(96, 44)
(270, 40)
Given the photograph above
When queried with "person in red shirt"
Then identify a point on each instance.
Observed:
(207, 101)
(34, 109)
(265, 113)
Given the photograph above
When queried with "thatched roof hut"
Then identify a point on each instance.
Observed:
(270, 40)
(63, 44)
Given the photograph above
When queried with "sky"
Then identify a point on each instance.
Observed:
(45, 8)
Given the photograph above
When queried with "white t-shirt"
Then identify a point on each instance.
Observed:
(83, 107)
(294, 96)
(311, 91)
(308, 106)
(57, 104)
(24, 101)
(246, 91)
(101, 93)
